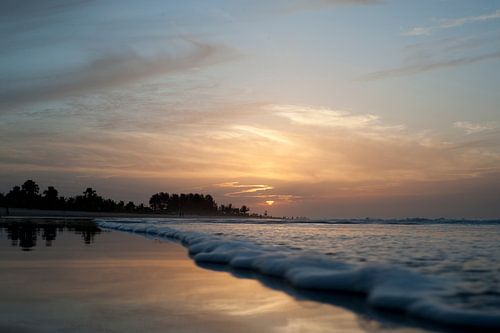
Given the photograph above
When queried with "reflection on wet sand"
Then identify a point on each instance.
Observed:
(125, 283)
(26, 233)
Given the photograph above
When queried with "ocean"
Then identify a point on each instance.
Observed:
(442, 271)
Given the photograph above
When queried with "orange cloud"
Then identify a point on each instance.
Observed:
(282, 153)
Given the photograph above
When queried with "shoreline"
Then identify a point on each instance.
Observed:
(355, 303)
(324, 280)
(41, 213)
(153, 286)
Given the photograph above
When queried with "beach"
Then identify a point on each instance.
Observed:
(111, 281)
(288, 166)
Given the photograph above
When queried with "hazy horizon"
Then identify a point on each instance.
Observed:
(320, 108)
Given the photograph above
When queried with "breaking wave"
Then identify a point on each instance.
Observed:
(384, 286)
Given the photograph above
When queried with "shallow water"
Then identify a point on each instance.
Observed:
(68, 279)
(452, 267)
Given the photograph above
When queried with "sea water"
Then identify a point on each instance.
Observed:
(443, 271)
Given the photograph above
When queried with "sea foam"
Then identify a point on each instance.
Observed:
(385, 286)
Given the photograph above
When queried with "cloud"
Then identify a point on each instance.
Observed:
(311, 145)
(450, 52)
(418, 31)
(262, 133)
(255, 192)
(365, 124)
(452, 23)
(306, 115)
(110, 70)
(243, 189)
(473, 128)
(429, 66)
(335, 156)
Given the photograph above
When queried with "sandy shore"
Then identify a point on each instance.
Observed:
(37, 213)
(121, 282)
(55, 214)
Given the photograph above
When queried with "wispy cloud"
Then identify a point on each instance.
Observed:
(452, 23)
(473, 127)
(333, 146)
(109, 70)
(243, 189)
(259, 192)
(338, 154)
(418, 31)
(306, 115)
(429, 66)
(271, 135)
(325, 117)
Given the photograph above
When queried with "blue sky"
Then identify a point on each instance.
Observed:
(327, 108)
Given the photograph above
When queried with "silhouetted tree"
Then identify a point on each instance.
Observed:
(70, 204)
(27, 196)
(50, 198)
(108, 205)
(130, 206)
(90, 201)
(209, 204)
(164, 198)
(3, 203)
(15, 197)
(244, 210)
(89, 193)
(192, 203)
(156, 202)
(50, 193)
(30, 188)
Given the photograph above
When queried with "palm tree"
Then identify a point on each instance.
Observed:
(29, 191)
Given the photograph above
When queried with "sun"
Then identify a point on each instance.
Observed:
(270, 202)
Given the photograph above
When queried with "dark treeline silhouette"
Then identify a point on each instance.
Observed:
(28, 196)
(26, 234)
(192, 203)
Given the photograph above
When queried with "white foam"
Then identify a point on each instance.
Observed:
(385, 287)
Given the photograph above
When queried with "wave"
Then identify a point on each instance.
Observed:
(384, 286)
(248, 220)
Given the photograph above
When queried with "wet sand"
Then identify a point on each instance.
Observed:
(119, 282)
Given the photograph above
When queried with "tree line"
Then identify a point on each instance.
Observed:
(193, 203)
(28, 196)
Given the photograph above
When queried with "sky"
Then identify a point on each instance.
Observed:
(319, 108)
